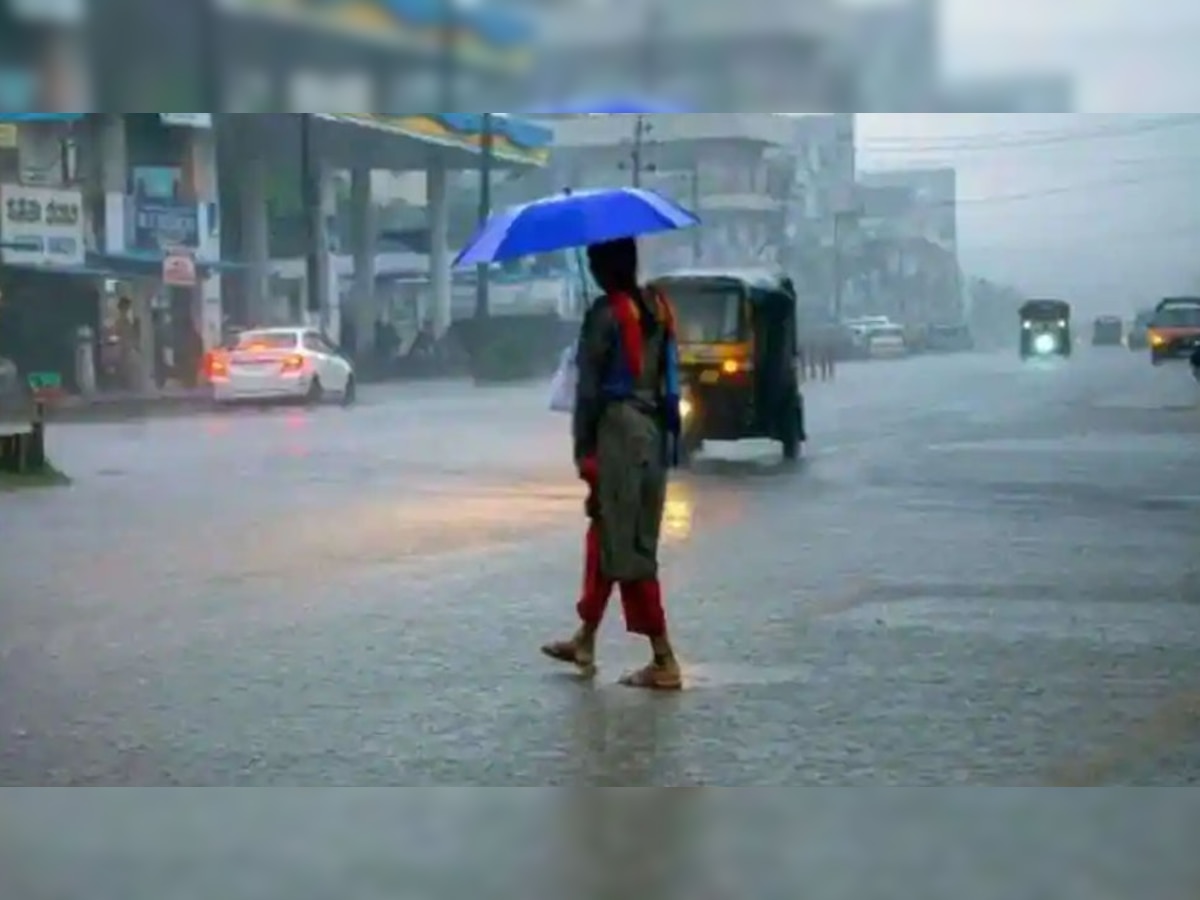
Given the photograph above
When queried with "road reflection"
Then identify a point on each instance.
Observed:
(679, 512)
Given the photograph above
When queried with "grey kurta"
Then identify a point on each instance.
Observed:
(627, 440)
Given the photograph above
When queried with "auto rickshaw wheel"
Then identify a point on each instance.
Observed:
(793, 430)
(689, 445)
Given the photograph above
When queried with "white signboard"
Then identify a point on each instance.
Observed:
(187, 120)
(41, 226)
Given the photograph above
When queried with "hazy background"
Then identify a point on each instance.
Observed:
(1115, 215)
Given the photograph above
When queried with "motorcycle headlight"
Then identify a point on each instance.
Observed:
(685, 408)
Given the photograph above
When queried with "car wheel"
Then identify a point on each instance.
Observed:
(350, 394)
(316, 393)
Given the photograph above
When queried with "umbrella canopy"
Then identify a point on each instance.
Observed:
(613, 106)
(573, 219)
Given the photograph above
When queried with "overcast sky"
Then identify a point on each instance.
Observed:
(1114, 213)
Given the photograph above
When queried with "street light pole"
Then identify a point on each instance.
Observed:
(486, 158)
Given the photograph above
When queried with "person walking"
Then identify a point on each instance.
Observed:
(626, 427)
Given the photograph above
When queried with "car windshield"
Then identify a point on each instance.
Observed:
(1182, 316)
(266, 340)
(708, 313)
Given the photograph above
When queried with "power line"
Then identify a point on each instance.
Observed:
(1189, 231)
(1132, 124)
(981, 143)
(1191, 173)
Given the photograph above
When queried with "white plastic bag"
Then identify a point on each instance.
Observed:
(562, 387)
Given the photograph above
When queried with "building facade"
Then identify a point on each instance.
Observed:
(905, 264)
(111, 247)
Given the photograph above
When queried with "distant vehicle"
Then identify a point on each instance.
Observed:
(281, 364)
(860, 331)
(1175, 329)
(949, 339)
(1139, 332)
(1045, 328)
(886, 342)
(1108, 331)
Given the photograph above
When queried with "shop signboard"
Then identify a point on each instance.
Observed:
(41, 226)
(161, 224)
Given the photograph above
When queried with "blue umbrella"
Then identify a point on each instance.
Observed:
(573, 219)
(614, 107)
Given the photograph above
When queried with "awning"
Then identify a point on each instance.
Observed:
(149, 262)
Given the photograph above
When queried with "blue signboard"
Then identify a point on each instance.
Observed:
(159, 225)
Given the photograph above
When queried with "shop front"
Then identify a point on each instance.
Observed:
(48, 295)
(161, 280)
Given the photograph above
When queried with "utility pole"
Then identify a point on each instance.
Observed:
(697, 243)
(486, 158)
(640, 129)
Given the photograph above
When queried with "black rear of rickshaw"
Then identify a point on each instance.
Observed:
(1045, 328)
(738, 358)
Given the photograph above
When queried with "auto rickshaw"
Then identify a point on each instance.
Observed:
(1045, 328)
(738, 358)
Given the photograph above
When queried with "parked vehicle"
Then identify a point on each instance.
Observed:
(886, 342)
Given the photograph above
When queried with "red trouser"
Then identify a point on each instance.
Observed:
(641, 600)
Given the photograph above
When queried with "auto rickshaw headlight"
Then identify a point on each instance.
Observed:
(1045, 343)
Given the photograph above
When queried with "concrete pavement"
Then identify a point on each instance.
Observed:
(984, 573)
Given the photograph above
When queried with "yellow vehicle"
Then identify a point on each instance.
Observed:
(738, 357)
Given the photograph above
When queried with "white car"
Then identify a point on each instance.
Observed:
(887, 342)
(282, 364)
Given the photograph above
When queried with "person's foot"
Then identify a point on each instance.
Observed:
(658, 676)
(579, 652)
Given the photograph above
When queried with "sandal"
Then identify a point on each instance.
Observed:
(573, 654)
(655, 678)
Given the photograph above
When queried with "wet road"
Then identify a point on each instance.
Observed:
(983, 574)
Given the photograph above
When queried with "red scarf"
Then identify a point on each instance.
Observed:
(629, 324)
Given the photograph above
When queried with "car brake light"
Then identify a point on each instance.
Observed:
(218, 366)
(294, 363)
